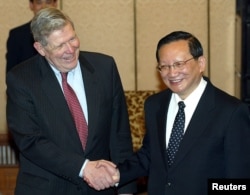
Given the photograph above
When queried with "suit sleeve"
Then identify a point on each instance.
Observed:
(237, 144)
(121, 141)
(138, 164)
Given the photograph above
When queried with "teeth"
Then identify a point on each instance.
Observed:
(176, 81)
(68, 58)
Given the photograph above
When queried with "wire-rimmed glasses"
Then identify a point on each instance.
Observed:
(177, 66)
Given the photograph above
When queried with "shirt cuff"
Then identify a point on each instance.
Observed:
(83, 166)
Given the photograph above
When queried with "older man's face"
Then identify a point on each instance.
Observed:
(62, 50)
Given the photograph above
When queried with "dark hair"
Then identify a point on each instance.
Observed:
(194, 44)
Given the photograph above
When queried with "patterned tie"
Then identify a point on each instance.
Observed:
(177, 133)
(76, 110)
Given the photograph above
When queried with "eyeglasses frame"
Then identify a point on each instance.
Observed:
(176, 65)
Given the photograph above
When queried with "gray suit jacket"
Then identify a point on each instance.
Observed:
(39, 119)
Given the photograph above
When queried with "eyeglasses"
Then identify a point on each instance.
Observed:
(177, 65)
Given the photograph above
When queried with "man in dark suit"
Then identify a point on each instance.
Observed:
(20, 40)
(52, 158)
(216, 138)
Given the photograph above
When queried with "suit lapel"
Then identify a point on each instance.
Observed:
(161, 121)
(57, 100)
(197, 124)
(59, 103)
(92, 97)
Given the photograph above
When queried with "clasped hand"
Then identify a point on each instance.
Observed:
(101, 174)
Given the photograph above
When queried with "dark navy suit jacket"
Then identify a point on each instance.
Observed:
(19, 45)
(40, 121)
(216, 144)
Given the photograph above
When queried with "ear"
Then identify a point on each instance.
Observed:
(40, 49)
(202, 63)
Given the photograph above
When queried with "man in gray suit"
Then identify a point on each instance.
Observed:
(52, 158)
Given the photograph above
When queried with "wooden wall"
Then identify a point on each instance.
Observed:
(130, 29)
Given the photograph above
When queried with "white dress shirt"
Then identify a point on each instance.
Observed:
(191, 103)
(75, 80)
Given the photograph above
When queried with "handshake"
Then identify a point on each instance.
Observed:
(101, 174)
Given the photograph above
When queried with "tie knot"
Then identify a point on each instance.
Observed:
(64, 76)
(181, 105)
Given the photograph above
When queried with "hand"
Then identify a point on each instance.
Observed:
(100, 174)
(115, 174)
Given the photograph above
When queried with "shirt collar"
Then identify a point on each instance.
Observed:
(195, 95)
(57, 72)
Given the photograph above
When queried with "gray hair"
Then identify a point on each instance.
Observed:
(46, 21)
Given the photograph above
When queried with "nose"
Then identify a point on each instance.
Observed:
(70, 47)
(172, 70)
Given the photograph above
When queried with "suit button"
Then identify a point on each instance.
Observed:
(169, 184)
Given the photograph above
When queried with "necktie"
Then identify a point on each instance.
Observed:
(76, 110)
(176, 134)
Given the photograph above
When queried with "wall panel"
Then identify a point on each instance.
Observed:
(107, 26)
(13, 13)
(222, 44)
(155, 19)
(130, 29)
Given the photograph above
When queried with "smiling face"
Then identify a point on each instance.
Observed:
(181, 81)
(62, 50)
